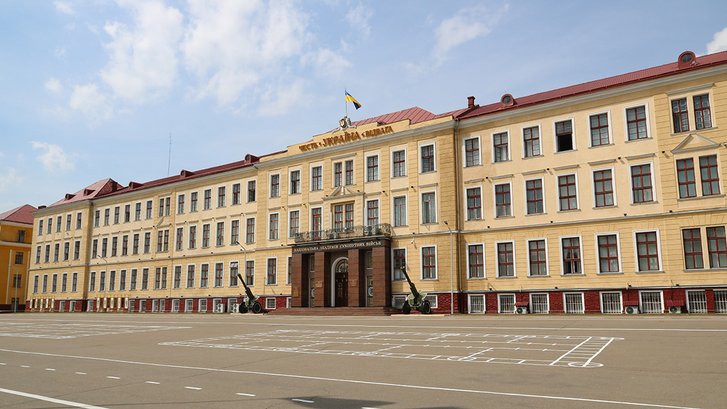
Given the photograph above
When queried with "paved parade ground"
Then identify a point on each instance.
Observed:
(259, 361)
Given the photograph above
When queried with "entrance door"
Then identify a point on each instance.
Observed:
(341, 282)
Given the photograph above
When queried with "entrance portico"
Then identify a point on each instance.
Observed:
(348, 268)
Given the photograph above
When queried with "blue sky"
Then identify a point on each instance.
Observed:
(92, 89)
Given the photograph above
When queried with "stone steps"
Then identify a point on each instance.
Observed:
(336, 311)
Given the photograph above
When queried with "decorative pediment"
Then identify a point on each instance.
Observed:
(695, 142)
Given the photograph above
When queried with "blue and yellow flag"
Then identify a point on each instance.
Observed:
(350, 98)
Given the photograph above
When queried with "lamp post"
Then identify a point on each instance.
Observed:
(451, 270)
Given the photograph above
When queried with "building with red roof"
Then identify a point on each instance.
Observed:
(16, 232)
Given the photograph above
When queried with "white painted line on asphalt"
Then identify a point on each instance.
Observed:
(81, 373)
(355, 382)
(49, 399)
(152, 382)
(194, 388)
(113, 377)
(245, 394)
(303, 400)
(2, 364)
(574, 348)
(25, 366)
(50, 369)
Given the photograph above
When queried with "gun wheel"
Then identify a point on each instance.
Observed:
(426, 308)
(406, 308)
(257, 308)
(242, 309)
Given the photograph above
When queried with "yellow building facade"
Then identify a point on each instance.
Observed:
(16, 229)
(600, 197)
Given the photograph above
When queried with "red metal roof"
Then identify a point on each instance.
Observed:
(22, 214)
(96, 189)
(665, 70)
(413, 114)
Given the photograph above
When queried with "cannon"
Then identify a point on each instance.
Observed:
(250, 303)
(416, 299)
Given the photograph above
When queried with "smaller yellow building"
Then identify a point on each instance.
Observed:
(16, 234)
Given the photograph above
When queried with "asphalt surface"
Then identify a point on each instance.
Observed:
(92, 360)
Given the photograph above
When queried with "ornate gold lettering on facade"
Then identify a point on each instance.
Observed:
(345, 137)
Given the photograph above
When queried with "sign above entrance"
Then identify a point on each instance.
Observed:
(346, 137)
(337, 246)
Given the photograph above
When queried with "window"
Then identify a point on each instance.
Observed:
(400, 211)
(372, 168)
(145, 279)
(571, 251)
(122, 280)
(202, 305)
(531, 141)
(112, 280)
(427, 158)
(76, 250)
(651, 302)
(611, 303)
(270, 303)
(603, 188)
(316, 178)
(273, 227)
(573, 303)
(272, 271)
(38, 251)
(372, 213)
(474, 203)
(680, 115)
(471, 152)
(349, 172)
(316, 222)
(19, 257)
(125, 245)
(104, 247)
(163, 241)
(192, 237)
(219, 274)
(251, 185)
(702, 114)
(221, 196)
(534, 196)
(101, 282)
(476, 304)
(429, 208)
(91, 282)
(250, 231)
(115, 245)
(506, 303)
(686, 178)
(236, 194)
(641, 186)
(564, 136)
(398, 264)
(68, 221)
(505, 259)
(250, 272)
(636, 123)
(337, 174)
(235, 232)
(429, 263)
(697, 301)
(94, 250)
(234, 271)
(137, 212)
(59, 220)
(567, 192)
(398, 163)
(40, 224)
(717, 246)
(502, 200)
(207, 199)
(537, 258)
(274, 185)
(205, 235)
(190, 276)
(106, 218)
(647, 251)
(147, 242)
(293, 223)
(608, 261)
(709, 175)
(692, 240)
(220, 237)
(204, 275)
(475, 261)
(193, 202)
(599, 130)
(294, 182)
(501, 147)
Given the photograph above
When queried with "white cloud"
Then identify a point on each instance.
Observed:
(467, 25)
(718, 43)
(54, 86)
(87, 100)
(328, 62)
(63, 7)
(143, 58)
(230, 46)
(358, 18)
(279, 100)
(9, 178)
(53, 157)
(59, 52)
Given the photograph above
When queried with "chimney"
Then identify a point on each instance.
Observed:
(470, 102)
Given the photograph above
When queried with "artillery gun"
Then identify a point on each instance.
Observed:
(250, 303)
(416, 299)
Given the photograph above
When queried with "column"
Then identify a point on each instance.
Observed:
(381, 273)
(322, 280)
(356, 279)
(298, 282)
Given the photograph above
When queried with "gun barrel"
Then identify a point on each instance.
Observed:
(250, 296)
(412, 287)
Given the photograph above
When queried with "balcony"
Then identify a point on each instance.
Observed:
(354, 232)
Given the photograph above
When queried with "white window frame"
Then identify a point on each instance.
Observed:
(297, 209)
(610, 127)
(499, 304)
(494, 200)
(433, 300)
(484, 261)
(514, 259)
(422, 144)
(188, 306)
(290, 181)
(578, 191)
(378, 167)
(421, 207)
(509, 145)
(593, 187)
(482, 202)
(274, 303)
(574, 138)
(469, 303)
(648, 121)
(391, 157)
(525, 196)
(658, 245)
(583, 302)
(393, 210)
(276, 270)
(580, 250)
(421, 262)
(270, 185)
(199, 305)
(310, 176)
(618, 249)
(661, 297)
(540, 140)
(268, 226)
(398, 300)
(464, 151)
(547, 259)
(620, 297)
(547, 301)
(689, 304)
(406, 260)
(653, 183)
